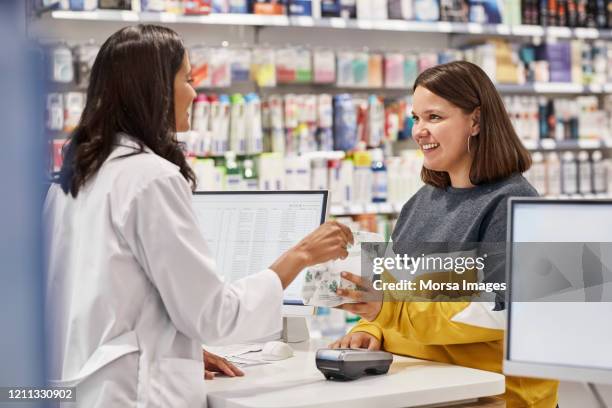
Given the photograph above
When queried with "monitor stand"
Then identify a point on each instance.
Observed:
(295, 329)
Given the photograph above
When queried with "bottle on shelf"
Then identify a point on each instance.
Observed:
(233, 178)
(553, 170)
(569, 174)
(238, 141)
(537, 173)
(249, 175)
(600, 173)
(362, 177)
(379, 177)
(319, 177)
(585, 173)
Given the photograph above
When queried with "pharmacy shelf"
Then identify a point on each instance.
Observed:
(372, 208)
(540, 88)
(598, 196)
(394, 209)
(550, 144)
(337, 23)
(554, 88)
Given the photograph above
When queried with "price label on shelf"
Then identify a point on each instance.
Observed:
(167, 17)
(503, 29)
(371, 209)
(581, 32)
(530, 144)
(355, 209)
(337, 210)
(589, 144)
(475, 28)
(337, 22)
(548, 144)
(385, 208)
(444, 26)
(596, 88)
(528, 30)
(559, 32)
(130, 16)
(302, 21)
(364, 24)
(557, 87)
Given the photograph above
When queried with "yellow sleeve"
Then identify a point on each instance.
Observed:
(428, 323)
(368, 327)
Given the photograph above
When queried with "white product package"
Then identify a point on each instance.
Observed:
(321, 281)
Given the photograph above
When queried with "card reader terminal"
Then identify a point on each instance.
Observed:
(350, 364)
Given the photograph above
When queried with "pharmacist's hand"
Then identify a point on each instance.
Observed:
(326, 243)
(357, 340)
(369, 300)
(214, 364)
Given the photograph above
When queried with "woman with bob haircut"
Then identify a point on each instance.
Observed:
(131, 288)
(473, 162)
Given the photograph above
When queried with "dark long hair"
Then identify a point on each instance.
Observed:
(131, 90)
(498, 152)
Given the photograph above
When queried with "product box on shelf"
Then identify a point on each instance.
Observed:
(83, 5)
(270, 7)
(558, 56)
(372, 9)
(486, 11)
(454, 10)
(115, 4)
(401, 9)
(197, 7)
(300, 8)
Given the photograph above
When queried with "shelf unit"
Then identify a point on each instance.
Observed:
(338, 32)
(395, 208)
(580, 144)
(538, 88)
(101, 17)
(338, 23)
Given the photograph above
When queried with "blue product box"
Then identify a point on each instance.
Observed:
(300, 8)
(345, 123)
(330, 8)
(486, 11)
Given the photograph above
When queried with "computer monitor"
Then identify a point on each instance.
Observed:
(559, 339)
(247, 231)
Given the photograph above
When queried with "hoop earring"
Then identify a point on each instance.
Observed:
(470, 138)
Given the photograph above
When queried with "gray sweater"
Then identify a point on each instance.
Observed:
(460, 215)
(477, 214)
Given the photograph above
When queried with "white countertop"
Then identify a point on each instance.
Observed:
(296, 382)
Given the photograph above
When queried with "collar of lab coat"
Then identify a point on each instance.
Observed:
(126, 145)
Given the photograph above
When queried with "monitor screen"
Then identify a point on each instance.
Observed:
(247, 231)
(559, 339)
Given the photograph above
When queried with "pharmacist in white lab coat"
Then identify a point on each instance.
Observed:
(131, 290)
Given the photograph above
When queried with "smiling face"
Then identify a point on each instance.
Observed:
(442, 130)
(184, 94)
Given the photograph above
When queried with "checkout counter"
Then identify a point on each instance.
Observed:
(296, 382)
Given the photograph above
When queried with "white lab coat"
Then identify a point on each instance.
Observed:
(132, 291)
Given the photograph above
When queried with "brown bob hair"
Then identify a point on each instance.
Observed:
(497, 151)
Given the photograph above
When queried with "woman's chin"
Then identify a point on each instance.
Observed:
(432, 166)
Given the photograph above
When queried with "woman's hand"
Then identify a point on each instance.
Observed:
(369, 299)
(214, 364)
(357, 340)
(327, 242)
